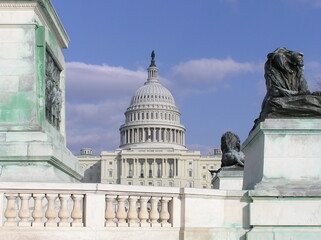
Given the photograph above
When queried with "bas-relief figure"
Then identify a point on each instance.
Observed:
(53, 93)
(287, 94)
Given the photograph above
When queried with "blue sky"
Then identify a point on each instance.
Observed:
(210, 54)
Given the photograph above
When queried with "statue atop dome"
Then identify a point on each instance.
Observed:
(287, 94)
(152, 63)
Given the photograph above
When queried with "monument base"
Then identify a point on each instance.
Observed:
(229, 178)
(283, 154)
(285, 215)
(36, 156)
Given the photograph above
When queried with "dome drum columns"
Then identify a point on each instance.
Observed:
(152, 134)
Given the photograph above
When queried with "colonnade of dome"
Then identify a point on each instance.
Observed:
(152, 134)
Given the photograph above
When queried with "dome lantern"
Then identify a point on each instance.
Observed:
(152, 70)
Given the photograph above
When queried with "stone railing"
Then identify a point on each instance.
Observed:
(40, 209)
(86, 211)
(70, 207)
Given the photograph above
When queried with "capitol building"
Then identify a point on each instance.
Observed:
(152, 147)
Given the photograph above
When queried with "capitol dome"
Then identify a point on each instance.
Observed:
(152, 119)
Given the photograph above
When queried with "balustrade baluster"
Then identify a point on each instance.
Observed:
(154, 214)
(164, 214)
(64, 213)
(38, 212)
(132, 212)
(11, 211)
(121, 211)
(110, 213)
(143, 213)
(24, 212)
(76, 213)
(51, 213)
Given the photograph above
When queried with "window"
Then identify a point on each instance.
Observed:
(110, 173)
(190, 174)
(204, 186)
(190, 163)
(141, 183)
(170, 184)
(150, 183)
(204, 176)
(110, 163)
(204, 167)
(129, 183)
(212, 167)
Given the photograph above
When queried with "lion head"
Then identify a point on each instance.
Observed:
(284, 73)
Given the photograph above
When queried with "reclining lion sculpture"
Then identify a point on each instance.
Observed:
(287, 94)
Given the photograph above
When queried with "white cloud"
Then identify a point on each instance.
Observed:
(97, 97)
(209, 70)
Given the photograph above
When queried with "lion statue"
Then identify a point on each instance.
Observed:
(287, 94)
(231, 153)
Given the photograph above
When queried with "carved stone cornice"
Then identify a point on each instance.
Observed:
(47, 15)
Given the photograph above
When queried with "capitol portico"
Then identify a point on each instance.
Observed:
(152, 145)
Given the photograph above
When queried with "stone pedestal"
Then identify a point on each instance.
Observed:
(228, 179)
(283, 166)
(283, 154)
(32, 95)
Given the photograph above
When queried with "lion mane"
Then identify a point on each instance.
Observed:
(284, 73)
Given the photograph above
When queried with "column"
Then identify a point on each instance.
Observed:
(133, 136)
(183, 138)
(136, 135)
(165, 168)
(137, 167)
(176, 136)
(174, 167)
(154, 134)
(176, 173)
(154, 168)
(149, 131)
(144, 137)
(146, 172)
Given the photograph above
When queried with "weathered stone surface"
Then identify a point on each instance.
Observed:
(31, 149)
(280, 151)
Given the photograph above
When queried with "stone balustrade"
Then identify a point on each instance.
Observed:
(40, 210)
(65, 208)
(106, 211)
